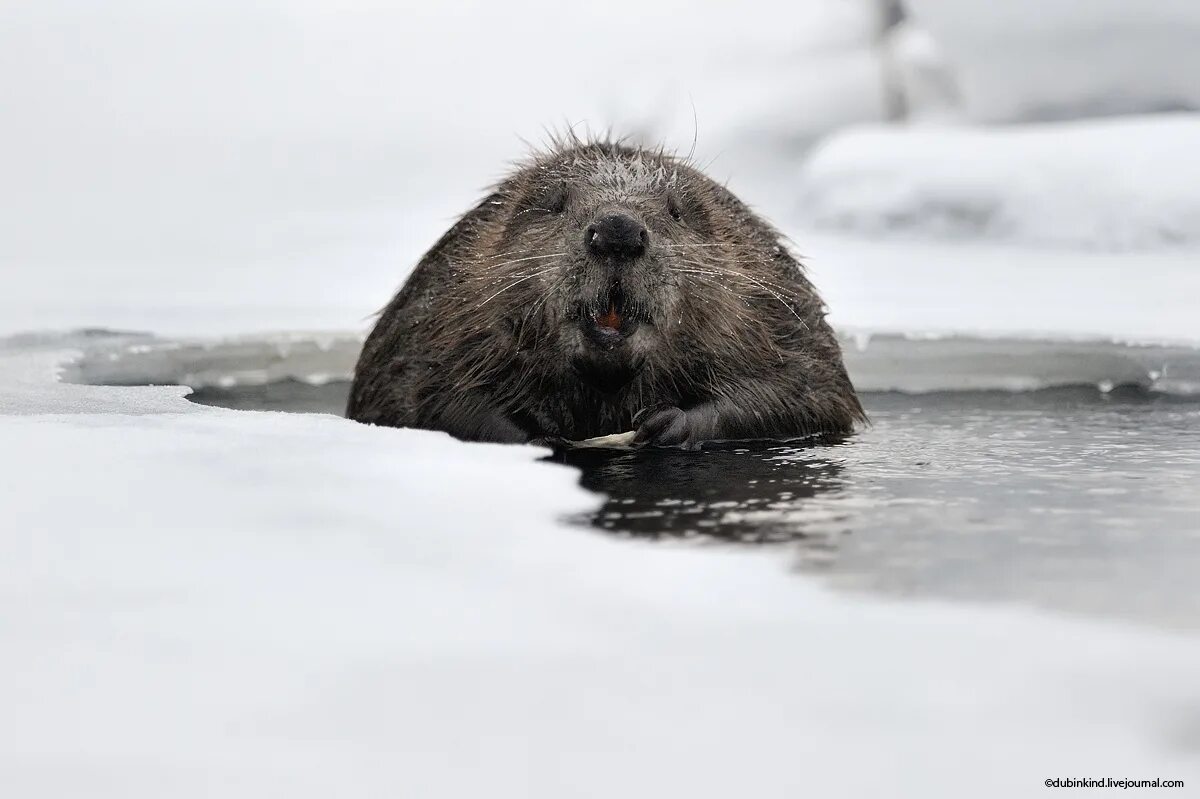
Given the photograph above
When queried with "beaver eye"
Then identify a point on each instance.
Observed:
(673, 208)
(555, 200)
(542, 203)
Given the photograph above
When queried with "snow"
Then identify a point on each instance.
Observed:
(924, 79)
(203, 153)
(987, 288)
(30, 387)
(216, 602)
(1058, 59)
(1102, 185)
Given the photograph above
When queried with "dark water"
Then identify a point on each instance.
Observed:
(1067, 498)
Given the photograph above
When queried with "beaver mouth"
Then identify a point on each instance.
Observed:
(612, 319)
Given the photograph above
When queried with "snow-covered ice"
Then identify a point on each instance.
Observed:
(980, 287)
(1132, 183)
(210, 602)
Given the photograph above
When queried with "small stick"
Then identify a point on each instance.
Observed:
(615, 441)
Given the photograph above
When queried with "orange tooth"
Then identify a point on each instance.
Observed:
(612, 319)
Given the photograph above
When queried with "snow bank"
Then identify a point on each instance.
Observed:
(905, 286)
(1111, 185)
(250, 604)
(1042, 59)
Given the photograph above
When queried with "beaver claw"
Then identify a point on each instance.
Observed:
(667, 427)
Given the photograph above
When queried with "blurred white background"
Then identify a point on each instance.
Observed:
(300, 155)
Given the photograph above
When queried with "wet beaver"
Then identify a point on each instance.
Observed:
(602, 288)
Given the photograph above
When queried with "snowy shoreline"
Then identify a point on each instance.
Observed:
(247, 602)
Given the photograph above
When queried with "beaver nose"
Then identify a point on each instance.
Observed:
(617, 236)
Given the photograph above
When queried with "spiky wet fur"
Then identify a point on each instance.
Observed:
(482, 341)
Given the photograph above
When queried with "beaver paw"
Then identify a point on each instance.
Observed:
(667, 427)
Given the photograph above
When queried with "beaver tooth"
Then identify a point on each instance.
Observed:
(611, 319)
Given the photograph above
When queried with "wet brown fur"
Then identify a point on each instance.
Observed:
(482, 339)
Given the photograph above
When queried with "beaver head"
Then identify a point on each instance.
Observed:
(605, 250)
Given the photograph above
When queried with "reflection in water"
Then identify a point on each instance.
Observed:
(746, 493)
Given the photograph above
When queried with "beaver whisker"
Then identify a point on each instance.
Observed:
(508, 254)
(735, 261)
(513, 284)
(764, 287)
(710, 260)
(749, 321)
(731, 248)
(553, 287)
(706, 277)
(689, 245)
(509, 276)
(719, 270)
(494, 267)
(725, 267)
(744, 300)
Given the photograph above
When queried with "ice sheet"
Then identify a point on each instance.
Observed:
(234, 603)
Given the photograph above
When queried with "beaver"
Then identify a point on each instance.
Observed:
(605, 287)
